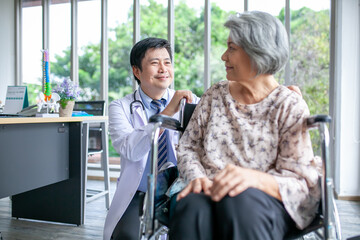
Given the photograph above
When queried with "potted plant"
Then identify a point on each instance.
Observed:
(68, 92)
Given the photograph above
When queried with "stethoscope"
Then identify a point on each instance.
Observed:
(136, 101)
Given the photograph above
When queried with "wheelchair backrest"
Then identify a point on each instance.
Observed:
(188, 111)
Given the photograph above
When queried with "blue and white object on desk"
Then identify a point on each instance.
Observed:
(81, 114)
(16, 99)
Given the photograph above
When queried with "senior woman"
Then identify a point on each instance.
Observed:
(246, 155)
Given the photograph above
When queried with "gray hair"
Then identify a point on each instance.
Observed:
(263, 37)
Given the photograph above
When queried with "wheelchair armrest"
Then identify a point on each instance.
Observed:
(331, 222)
(166, 122)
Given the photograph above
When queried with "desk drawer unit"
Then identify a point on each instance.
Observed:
(32, 156)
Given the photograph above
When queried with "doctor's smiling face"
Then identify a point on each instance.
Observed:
(156, 73)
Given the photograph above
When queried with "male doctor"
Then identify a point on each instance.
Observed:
(151, 62)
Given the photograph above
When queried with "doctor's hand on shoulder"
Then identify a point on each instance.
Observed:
(174, 105)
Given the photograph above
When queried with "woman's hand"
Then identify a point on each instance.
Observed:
(233, 180)
(295, 89)
(174, 105)
(196, 186)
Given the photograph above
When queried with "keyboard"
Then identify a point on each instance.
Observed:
(8, 115)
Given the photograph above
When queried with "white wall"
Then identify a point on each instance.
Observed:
(7, 46)
(349, 82)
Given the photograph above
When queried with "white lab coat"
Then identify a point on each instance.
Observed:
(131, 138)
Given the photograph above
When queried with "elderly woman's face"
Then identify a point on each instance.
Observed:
(237, 63)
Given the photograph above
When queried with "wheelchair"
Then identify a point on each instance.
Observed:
(326, 224)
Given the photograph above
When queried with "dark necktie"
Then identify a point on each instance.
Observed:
(162, 149)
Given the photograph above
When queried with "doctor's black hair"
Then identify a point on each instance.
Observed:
(138, 51)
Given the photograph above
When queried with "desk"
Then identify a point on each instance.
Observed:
(42, 166)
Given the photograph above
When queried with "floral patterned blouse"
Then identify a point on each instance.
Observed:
(269, 136)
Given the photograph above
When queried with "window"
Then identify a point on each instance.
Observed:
(89, 36)
(120, 33)
(153, 19)
(31, 46)
(310, 52)
(59, 43)
(189, 45)
(273, 7)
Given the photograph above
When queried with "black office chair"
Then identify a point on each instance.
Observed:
(326, 225)
(97, 143)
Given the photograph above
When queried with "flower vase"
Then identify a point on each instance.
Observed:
(66, 107)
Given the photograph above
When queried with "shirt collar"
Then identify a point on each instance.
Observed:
(147, 100)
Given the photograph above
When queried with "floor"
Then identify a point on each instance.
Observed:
(15, 229)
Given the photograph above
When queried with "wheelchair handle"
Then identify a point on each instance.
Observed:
(166, 122)
(312, 120)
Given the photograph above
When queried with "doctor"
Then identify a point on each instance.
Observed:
(151, 62)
